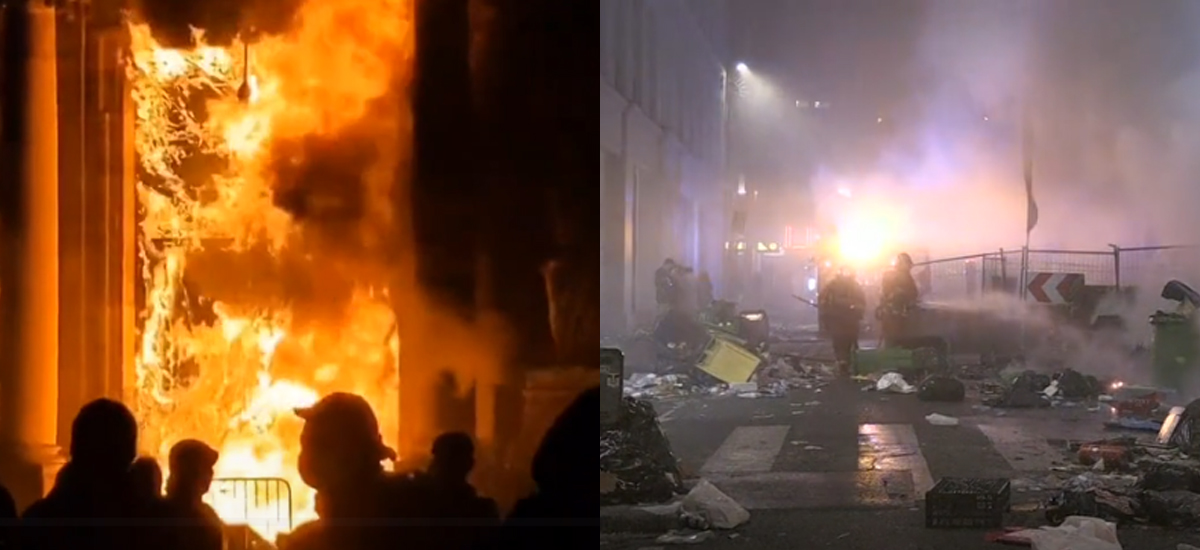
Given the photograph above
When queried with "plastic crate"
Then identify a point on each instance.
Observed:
(967, 503)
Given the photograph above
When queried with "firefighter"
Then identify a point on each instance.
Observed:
(899, 297)
(841, 305)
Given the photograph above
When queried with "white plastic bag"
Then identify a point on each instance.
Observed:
(707, 501)
(895, 383)
(1075, 533)
(941, 420)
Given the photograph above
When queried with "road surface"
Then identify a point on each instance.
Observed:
(837, 467)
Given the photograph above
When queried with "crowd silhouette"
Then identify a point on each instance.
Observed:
(108, 497)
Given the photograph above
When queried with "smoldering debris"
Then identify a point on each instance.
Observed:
(173, 23)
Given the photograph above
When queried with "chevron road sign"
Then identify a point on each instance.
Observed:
(1054, 288)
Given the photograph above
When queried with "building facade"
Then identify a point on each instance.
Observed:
(664, 80)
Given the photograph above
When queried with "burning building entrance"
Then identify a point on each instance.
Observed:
(263, 173)
(229, 247)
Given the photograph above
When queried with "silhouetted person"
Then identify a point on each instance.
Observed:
(464, 517)
(8, 520)
(94, 485)
(146, 479)
(191, 463)
(341, 455)
(564, 509)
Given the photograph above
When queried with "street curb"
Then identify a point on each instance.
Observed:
(637, 519)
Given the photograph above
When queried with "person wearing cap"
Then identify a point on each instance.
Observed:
(341, 457)
(192, 464)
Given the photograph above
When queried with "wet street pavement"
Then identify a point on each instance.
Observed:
(838, 467)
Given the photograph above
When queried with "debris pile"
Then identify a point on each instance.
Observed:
(1166, 493)
(1030, 389)
(663, 386)
(636, 458)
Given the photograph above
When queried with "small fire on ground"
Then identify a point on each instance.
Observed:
(241, 321)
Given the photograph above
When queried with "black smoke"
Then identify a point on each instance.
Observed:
(172, 21)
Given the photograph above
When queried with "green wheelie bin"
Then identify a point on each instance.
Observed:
(1175, 351)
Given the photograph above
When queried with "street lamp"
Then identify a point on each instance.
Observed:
(742, 68)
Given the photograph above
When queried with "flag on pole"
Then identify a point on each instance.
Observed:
(1031, 208)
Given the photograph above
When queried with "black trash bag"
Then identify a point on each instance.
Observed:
(1165, 476)
(941, 388)
(1186, 436)
(1025, 393)
(1031, 381)
(1074, 385)
(637, 453)
(1171, 508)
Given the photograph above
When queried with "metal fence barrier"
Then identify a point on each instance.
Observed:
(966, 277)
(263, 503)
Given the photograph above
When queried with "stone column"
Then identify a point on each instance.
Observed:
(29, 374)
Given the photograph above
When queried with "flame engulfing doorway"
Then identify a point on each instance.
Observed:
(264, 182)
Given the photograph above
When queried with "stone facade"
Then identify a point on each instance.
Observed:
(664, 68)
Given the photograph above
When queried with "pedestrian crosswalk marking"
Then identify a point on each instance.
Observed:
(894, 447)
(748, 450)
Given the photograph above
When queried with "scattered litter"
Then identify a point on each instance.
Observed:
(743, 387)
(813, 448)
(663, 386)
(683, 537)
(941, 420)
(894, 382)
(710, 503)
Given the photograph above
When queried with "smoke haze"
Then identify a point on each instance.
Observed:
(1112, 88)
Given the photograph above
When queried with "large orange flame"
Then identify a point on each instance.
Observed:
(233, 382)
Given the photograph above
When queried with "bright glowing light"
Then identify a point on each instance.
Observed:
(812, 284)
(845, 192)
(741, 190)
(742, 68)
(867, 231)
